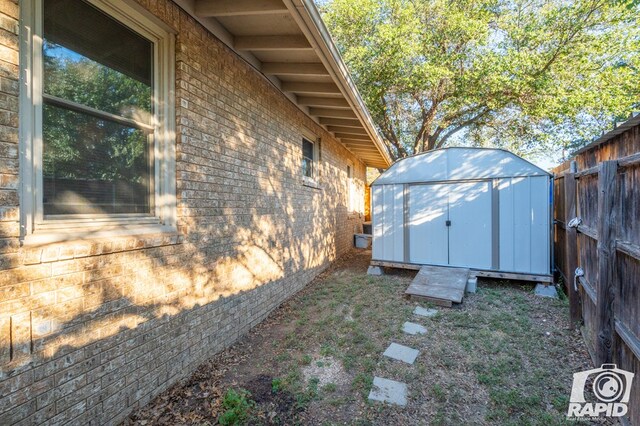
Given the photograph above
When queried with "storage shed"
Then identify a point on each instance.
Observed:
(478, 208)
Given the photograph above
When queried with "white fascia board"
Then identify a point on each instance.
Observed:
(308, 17)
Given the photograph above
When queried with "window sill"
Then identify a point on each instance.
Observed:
(70, 233)
(310, 183)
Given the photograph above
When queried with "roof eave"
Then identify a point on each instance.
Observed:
(309, 21)
(308, 17)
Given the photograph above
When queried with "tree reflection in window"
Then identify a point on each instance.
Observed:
(97, 114)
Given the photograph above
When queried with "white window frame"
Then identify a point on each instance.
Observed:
(350, 188)
(34, 227)
(315, 171)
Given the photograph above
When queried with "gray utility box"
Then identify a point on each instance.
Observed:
(362, 240)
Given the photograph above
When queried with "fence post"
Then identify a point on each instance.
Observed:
(606, 259)
(571, 248)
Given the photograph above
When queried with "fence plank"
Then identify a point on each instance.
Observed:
(606, 260)
(629, 249)
(559, 218)
(587, 172)
(588, 290)
(630, 160)
(619, 341)
(589, 232)
(629, 338)
(571, 249)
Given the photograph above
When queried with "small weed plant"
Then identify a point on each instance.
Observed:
(237, 407)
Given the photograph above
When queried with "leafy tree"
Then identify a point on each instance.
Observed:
(528, 75)
(92, 164)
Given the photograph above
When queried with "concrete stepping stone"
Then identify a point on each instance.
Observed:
(424, 312)
(413, 328)
(401, 353)
(472, 285)
(375, 271)
(546, 291)
(389, 391)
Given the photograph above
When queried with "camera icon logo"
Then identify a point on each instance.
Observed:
(603, 391)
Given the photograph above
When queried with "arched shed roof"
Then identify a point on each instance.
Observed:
(450, 164)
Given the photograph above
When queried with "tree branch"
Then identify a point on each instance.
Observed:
(388, 131)
(460, 126)
(575, 30)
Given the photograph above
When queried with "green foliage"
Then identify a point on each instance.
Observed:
(439, 393)
(237, 406)
(329, 387)
(531, 76)
(276, 385)
(304, 396)
(327, 350)
(362, 383)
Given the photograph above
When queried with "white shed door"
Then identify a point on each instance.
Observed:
(470, 231)
(466, 241)
(428, 205)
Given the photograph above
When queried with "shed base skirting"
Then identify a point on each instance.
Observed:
(473, 272)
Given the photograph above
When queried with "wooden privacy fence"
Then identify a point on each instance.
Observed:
(597, 229)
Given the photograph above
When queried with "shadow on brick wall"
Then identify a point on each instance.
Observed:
(97, 328)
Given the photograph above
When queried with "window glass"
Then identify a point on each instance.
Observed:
(93, 166)
(97, 113)
(307, 158)
(90, 33)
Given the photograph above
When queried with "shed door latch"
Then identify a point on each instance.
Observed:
(448, 223)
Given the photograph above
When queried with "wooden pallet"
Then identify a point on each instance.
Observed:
(440, 285)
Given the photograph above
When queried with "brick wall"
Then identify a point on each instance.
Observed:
(90, 330)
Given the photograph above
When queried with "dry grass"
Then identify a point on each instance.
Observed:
(502, 357)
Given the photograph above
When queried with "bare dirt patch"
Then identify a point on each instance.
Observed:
(326, 371)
